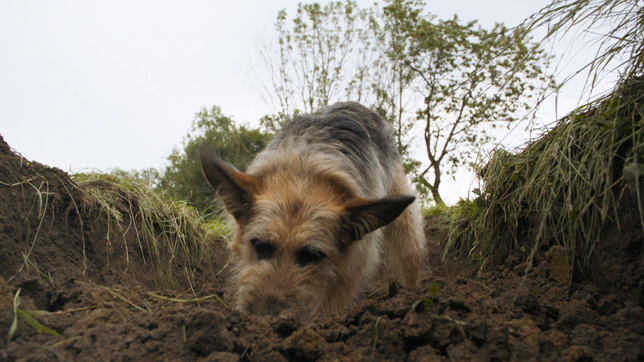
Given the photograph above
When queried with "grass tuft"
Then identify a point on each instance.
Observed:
(172, 236)
(559, 189)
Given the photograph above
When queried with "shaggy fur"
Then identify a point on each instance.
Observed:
(317, 212)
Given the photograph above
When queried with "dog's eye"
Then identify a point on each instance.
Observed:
(307, 256)
(263, 248)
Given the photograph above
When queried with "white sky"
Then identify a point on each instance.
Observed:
(105, 84)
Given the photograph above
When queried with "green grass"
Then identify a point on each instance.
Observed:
(172, 237)
(27, 316)
(435, 210)
(560, 189)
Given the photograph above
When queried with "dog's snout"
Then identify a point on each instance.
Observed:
(271, 304)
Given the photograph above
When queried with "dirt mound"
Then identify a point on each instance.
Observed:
(98, 293)
(53, 228)
(50, 228)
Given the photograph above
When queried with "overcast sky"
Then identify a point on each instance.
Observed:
(105, 84)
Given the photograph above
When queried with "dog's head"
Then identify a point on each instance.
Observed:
(294, 234)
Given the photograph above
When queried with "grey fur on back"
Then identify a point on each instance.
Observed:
(345, 135)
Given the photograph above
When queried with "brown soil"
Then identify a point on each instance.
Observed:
(453, 316)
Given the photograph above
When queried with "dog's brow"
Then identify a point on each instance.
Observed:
(296, 207)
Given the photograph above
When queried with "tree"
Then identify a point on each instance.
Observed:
(308, 65)
(471, 80)
(388, 83)
(238, 145)
(331, 52)
(455, 80)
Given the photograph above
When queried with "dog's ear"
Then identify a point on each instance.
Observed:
(233, 187)
(363, 216)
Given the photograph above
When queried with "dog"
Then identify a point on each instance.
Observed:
(318, 211)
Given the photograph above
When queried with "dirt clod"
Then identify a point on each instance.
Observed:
(206, 331)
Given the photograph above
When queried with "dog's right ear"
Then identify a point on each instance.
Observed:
(363, 216)
(233, 187)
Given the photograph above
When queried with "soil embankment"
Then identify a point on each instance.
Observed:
(55, 247)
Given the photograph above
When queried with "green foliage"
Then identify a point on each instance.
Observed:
(183, 179)
(560, 189)
(425, 304)
(455, 81)
(471, 79)
(218, 226)
(27, 316)
(149, 176)
(309, 63)
(435, 210)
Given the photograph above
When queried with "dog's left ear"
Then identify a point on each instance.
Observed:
(363, 216)
(233, 187)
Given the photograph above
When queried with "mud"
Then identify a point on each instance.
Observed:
(97, 293)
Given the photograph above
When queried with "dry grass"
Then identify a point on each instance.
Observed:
(172, 237)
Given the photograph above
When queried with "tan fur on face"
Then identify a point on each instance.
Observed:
(293, 211)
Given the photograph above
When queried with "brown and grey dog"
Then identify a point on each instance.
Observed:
(317, 211)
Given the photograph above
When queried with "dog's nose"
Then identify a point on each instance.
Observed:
(270, 305)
